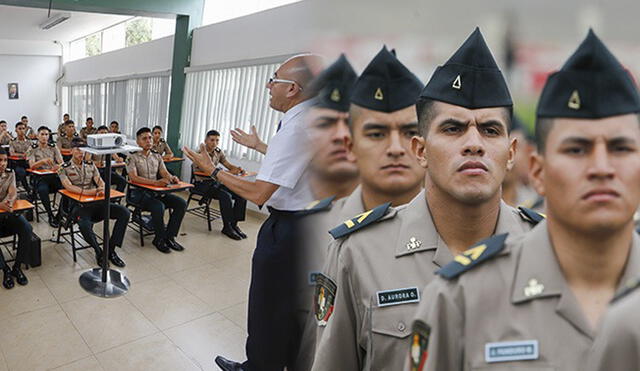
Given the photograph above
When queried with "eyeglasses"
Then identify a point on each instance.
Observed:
(273, 79)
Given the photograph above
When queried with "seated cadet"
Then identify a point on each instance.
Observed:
(88, 130)
(11, 224)
(5, 136)
(145, 167)
(64, 142)
(46, 156)
(116, 179)
(19, 147)
(31, 134)
(232, 206)
(114, 127)
(160, 145)
(60, 131)
(82, 177)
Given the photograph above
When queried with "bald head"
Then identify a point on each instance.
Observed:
(301, 69)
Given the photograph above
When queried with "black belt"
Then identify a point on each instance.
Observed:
(277, 212)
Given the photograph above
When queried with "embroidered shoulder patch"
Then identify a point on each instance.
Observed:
(530, 216)
(360, 221)
(324, 298)
(418, 353)
(473, 256)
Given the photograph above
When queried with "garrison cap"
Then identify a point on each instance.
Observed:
(333, 87)
(470, 78)
(386, 85)
(592, 84)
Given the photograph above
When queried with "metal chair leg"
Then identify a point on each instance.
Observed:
(73, 243)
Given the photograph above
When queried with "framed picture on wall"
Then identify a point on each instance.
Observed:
(13, 90)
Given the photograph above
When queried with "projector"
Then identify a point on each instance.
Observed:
(104, 141)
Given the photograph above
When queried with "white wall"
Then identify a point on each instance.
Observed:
(153, 56)
(36, 76)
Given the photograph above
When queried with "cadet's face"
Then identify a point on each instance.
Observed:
(43, 136)
(114, 128)
(65, 117)
(590, 171)
(212, 141)
(103, 131)
(21, 129)
(382, 148)
(70, 130)
(467, 152)
(330, 137)
(77, 154)
(144, 140)
(157, 134)
(25, 121)
(3, 163)
(89, 123)
(3, 126)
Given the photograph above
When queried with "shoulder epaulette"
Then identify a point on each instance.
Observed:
(66, 164)
(530, 216)
(34, 145)
(8, 170)
(360, 221)
(75, 134)
(12, 139)
(217, 149)
(154, 151)
(473, 256)
(317, 206)
(161, 140)
(629, 287)
(52, 144)
(88, 162)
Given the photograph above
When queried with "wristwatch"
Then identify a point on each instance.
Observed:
(214, 175)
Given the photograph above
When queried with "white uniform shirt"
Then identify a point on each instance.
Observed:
(287, 162)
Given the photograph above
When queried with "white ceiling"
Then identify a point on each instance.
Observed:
(19, 23)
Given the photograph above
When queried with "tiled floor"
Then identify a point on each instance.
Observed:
(182, 310)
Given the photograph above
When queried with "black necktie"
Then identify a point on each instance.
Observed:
(279, 126)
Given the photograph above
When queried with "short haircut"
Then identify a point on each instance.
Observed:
(158, 127)
(2, 122)
(20, 123)
(213, 132)
(69, 122)
(425, 108)
(23, 117)
(44, 128)
(78, 143)
(66, 114)
(142, 131)
(3, 151)
(89, 118)
(114, 122)
(103, 127)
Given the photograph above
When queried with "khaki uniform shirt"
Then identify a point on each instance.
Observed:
(316, 248)
(37, 153)
(19, 146)
(87, 131)
(65, 143)
(79, 175)
(7, 178)
(29, 132)
(514, 311)
(617, 345)
(5, 138)
(146, 167)
(60, 130)
(162, 148)
(217, 155)
(379, 274)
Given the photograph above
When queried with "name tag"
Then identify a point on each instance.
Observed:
(511, 351)
(398, 296)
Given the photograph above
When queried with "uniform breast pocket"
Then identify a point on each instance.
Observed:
(393, 321)
(389, 340)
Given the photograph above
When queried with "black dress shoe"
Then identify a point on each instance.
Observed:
(115, 259)
(162, 246)
(99, 257)
(227, 364)
(20, 277)
(229, 232)
(173, 244)
(7, 281)
(239, 231)
(53, 222)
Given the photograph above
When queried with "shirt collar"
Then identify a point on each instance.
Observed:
(295, 111)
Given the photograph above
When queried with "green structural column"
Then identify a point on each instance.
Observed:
(181, 56)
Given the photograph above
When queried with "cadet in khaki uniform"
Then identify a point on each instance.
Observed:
(160, 145)
(383, 258)
(88, 130)
(60, 131)
(232, 207)
(617, 347)
(11, 224)
(31, 134)
(5, 135)
(82, 177)
(46, 156)
(147, 167)
(534, 301)
(19, 147)
(64, 142)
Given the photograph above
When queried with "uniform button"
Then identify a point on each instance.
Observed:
(401, 326)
